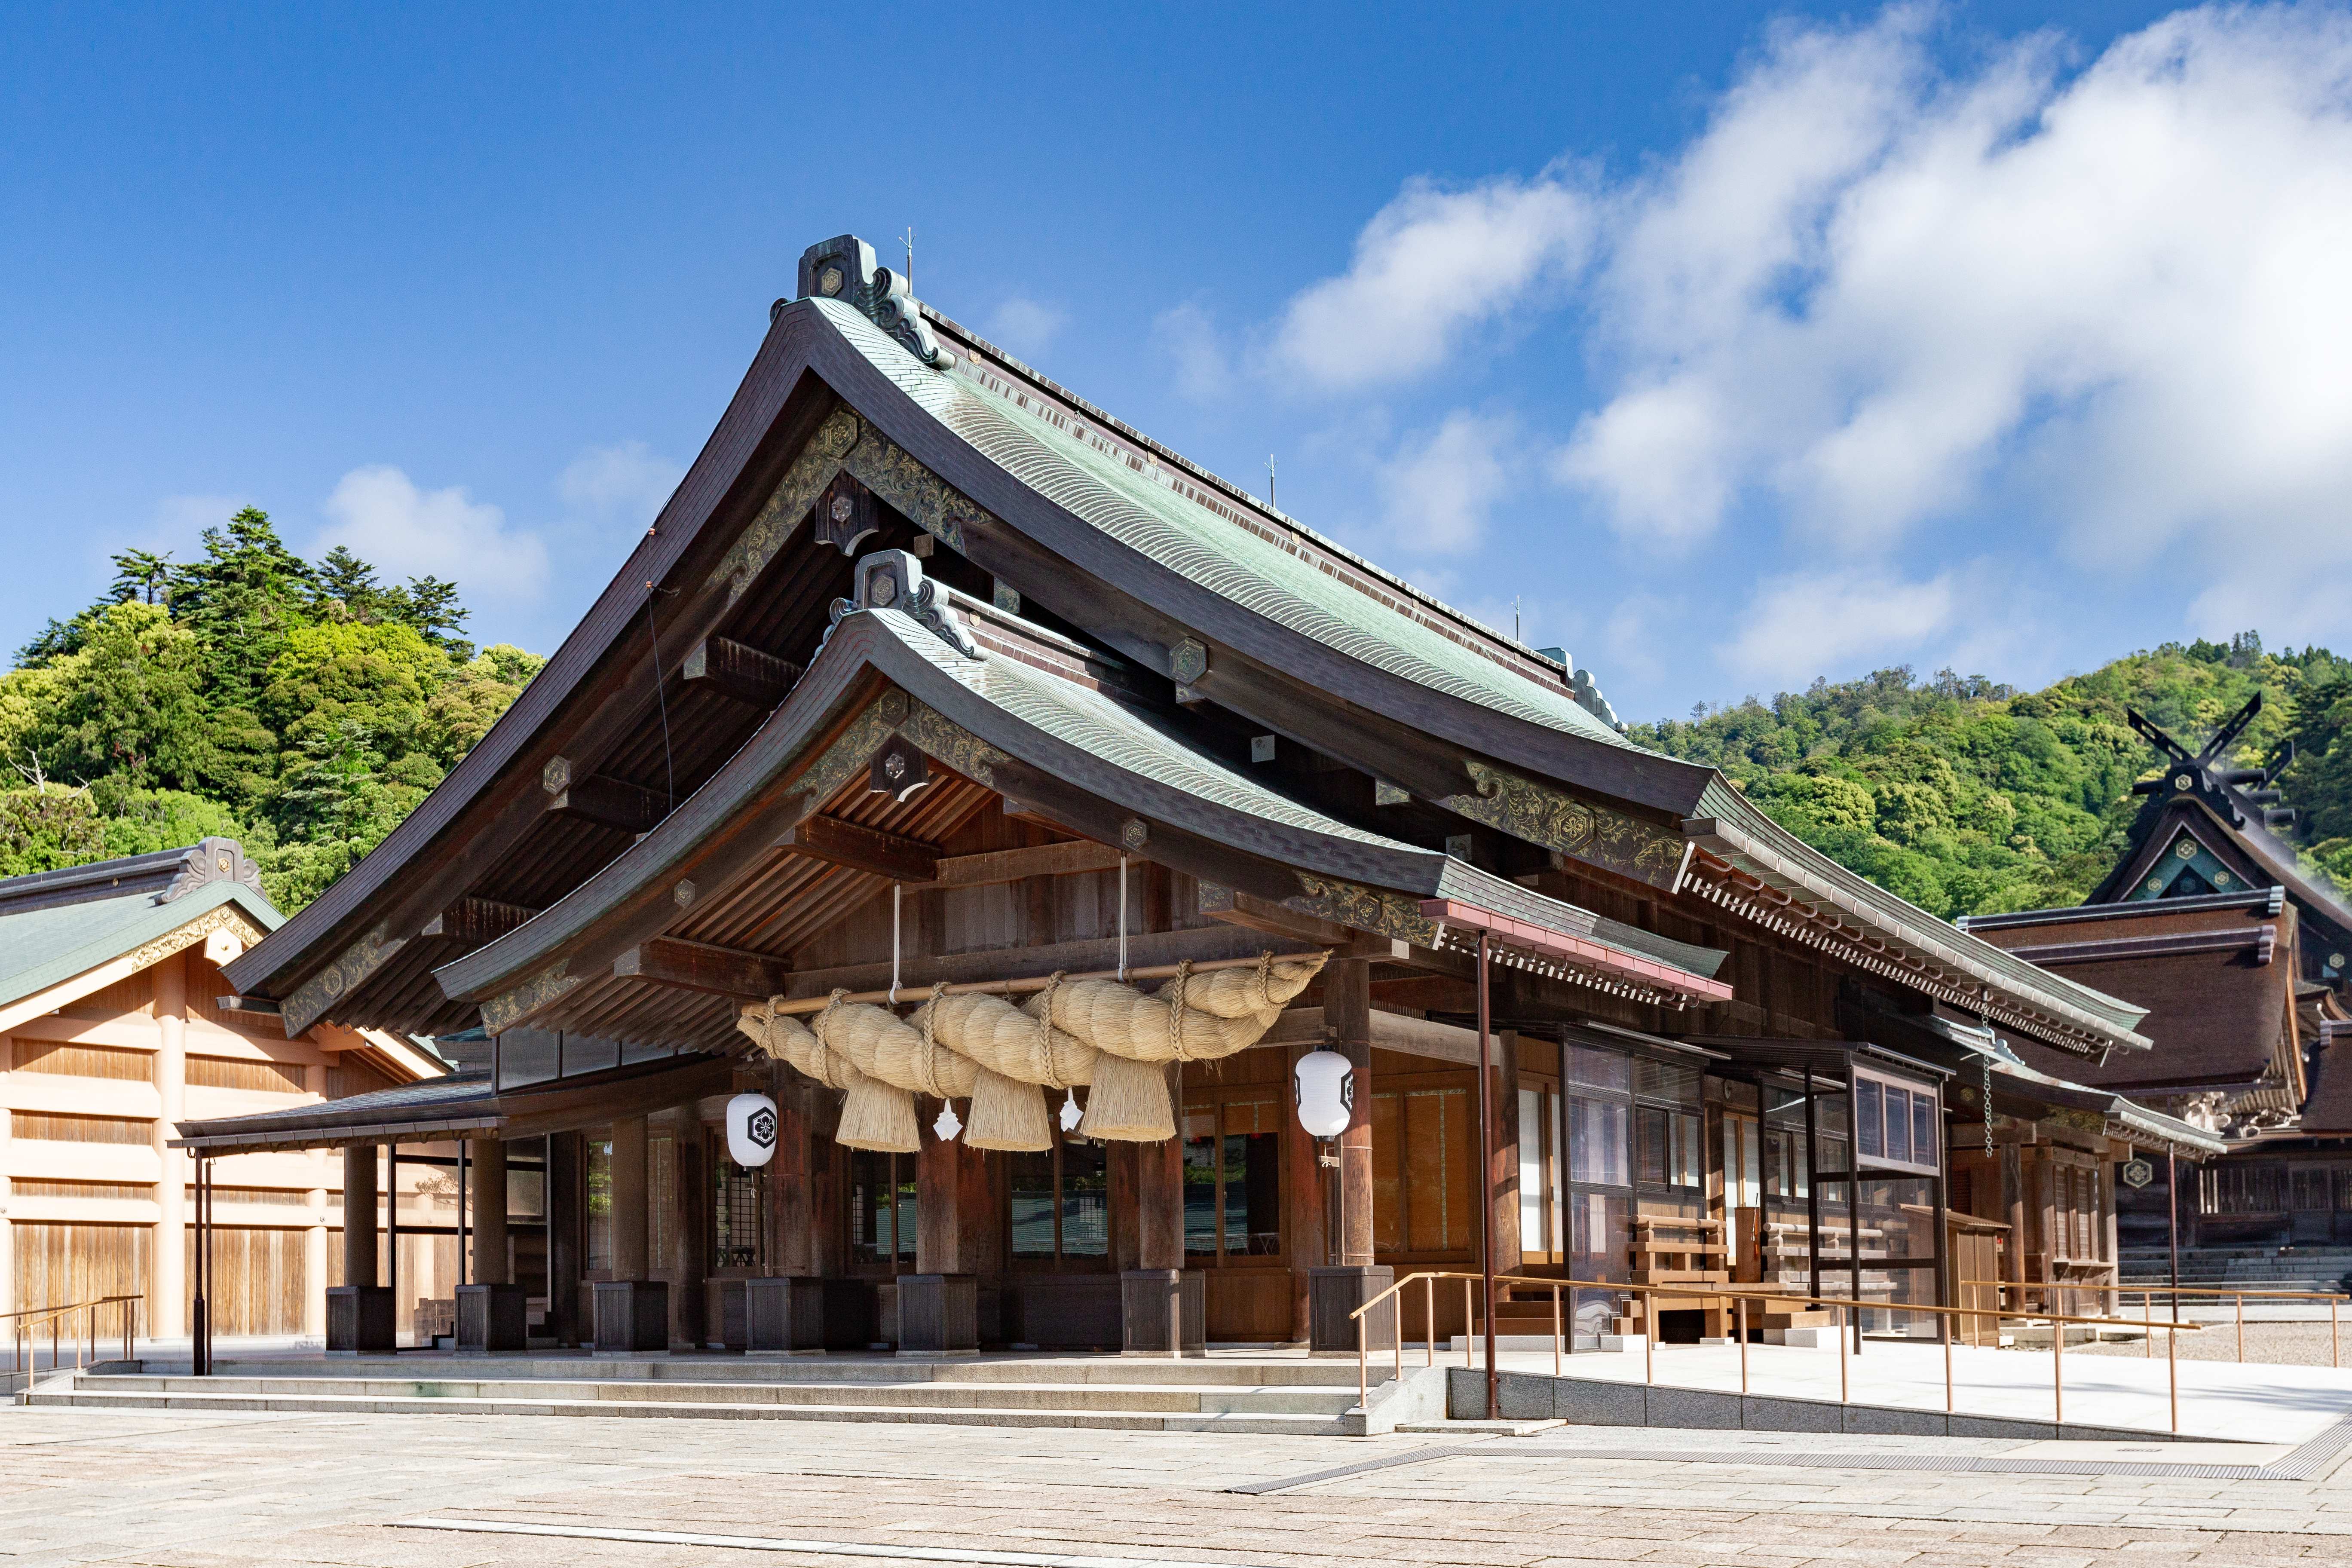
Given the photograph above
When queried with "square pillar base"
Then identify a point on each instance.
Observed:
(490, 1318)
(1333, 1292)
(783, 1316)
(632, 1317)
(938, 1314)
(1150, 1298)
(359, 1320)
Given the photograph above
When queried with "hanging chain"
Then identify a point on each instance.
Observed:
(1987, 1104)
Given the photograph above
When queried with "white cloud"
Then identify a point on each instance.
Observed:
(1025, 326)
(1804, 624)
(1440, 486)
(1430, 267)
(380, 514)
(626, 482)
(1880, 295)
(1187, 334)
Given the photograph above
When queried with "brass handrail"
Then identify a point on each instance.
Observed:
(32, 1317)
(1845, 1305)
(2147, 1293)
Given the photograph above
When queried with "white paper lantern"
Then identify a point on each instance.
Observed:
(751, 1129)
(1324, 1085)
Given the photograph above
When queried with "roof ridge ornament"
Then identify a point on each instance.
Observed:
(844, 269)
(894, 580)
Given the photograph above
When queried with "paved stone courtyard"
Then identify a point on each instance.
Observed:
(210, 1491)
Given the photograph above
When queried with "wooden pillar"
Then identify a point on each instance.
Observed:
(628, 1198)
(169, 1303)
(951, 1212)
(565, 1237)
(792, 1198)
(1159, 1191)
(690, 1265)
(1348, 1013)
(314, 1238)
(488, 1184)
(8, 1302)
(1119, 1165)
(1503, 1179)
(1306, 1199)
(359, 1259)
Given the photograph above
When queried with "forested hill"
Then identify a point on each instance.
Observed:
(1967, 797)
(303, 707)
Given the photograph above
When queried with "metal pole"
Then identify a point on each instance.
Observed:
(1554, 1329)
(1951, 1331)
(1429, 1313)
(1469, 1317)
(1649, 1336)
(392, 1237)
(1843, 1315)
(463, 1278)
(1741, 1307)
(2172, 1197)
(1486, 1175)
(2057, 1369)
(2242, 1329)
(2172, 1366)
(2335, 1351)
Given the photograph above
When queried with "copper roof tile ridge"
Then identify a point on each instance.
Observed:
(1478, 630)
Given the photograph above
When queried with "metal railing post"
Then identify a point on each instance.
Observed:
(2242, 1330)
(2058, 1369)
(1951, 1331)
(1739, 1306)
(1429, 1313)
(1469, 1327)
(1649, 1337)
(2172, 1363)
(2334, 1351)
(1555, 1331)
(1842, 1384)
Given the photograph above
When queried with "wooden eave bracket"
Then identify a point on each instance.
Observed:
(607, 802)
(739, 671)
(861, 848)
(699, 966)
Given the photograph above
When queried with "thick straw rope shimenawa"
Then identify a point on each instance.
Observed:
(965, 1042)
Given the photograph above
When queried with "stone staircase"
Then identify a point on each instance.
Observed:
(1313, 1398)
(2247, 1267)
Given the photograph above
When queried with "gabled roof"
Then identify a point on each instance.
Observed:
(55, 925)
(1184, 575)
(1014, 728)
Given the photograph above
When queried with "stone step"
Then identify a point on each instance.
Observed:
(1176, 1399)
(83, 1397)
(1099, 1371)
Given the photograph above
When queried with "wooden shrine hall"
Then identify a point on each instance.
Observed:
(1011, 803)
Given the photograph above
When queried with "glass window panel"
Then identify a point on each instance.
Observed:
(600, 1202)
(1690, 1168)
(1201, 1181)
(1085, 1201)
(1599, 1235)
(737, 1241)
(1030, 1178)
(1597, 1148)
(1531, 1171)
(1651, 1145)
(1252, 1174)
(1927, 1145)
(1598, 1069)
(526, 1193)
(586, 1053)
(1667, 1080)
(1868, 1104)
(526, 1055)
(1898, 1124)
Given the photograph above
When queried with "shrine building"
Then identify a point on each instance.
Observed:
(1012, 803)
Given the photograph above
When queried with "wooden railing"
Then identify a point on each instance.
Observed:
(28, 1323)
(1844, 1306)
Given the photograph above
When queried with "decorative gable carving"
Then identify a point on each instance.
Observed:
(844, 269)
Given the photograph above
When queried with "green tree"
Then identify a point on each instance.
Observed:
(128, 706)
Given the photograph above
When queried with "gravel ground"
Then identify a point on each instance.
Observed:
(2284, 1345)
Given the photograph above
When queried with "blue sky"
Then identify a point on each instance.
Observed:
(1736, 344)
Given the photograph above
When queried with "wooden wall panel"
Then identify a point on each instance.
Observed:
(259, 1280)
(57, 1264)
